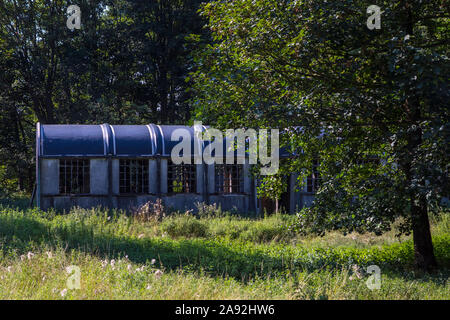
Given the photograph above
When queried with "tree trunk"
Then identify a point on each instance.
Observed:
(423, 245)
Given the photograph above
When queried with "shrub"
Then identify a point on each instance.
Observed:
(184, 226)
(151, 211)
(209, 210)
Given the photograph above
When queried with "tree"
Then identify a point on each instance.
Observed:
(370, 105)
(126, 65)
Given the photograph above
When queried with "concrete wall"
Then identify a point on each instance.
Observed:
(99, 185)
(153, 176)
(99, 176)
(301, 198)
(49, 176)
(200, 178)
(231, 202)
(211, 179)
(163, 175)
(115, 176)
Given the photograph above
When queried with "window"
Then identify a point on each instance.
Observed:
(74, 176)
(181, 178)
(229, 178)
(133, 176)
(313, 181)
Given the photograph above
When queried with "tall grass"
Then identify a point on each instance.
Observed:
(207, 258)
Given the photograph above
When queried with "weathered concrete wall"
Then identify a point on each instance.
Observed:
(46, 202)
(247, 179)
(152, 176)
(49, 176)
(65, 203)
(211, 179)
(293, 205)
(99, 176)
(200, 178)
(163, 176)
(115, 176)
(99, 184)
(235, 202)
(182, 201)
(300, 198)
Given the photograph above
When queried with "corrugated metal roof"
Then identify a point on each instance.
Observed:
(117, 140)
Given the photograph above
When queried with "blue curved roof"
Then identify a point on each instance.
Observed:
(116, 140)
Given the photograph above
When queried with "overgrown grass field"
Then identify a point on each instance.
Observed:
(212, 256)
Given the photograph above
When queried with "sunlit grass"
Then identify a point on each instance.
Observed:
(223, 257)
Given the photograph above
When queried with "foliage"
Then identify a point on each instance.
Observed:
(117, 262)
(126, 65)
(151, 211)
(370, 105)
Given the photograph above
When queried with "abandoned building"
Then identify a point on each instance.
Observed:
(125, 166)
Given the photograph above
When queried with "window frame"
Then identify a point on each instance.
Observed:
(235, 178)
(188, 174)
(314, 180)
(67, 188)
(139, 179)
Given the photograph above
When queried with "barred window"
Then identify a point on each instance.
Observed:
(74, 176)
(313, 181)
(229, 178)
(181, 178)
(133, 177)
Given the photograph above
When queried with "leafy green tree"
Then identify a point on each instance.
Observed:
(370, 105)
(127, 64)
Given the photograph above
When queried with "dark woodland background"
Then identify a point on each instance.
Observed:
(128, 64)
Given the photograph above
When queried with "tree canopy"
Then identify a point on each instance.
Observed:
(126, 65)
(370, 105)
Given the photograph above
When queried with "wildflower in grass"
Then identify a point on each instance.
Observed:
(356, 271)
(9, 268)
(140, 269)
(49, 254)
(113, 263)
(22, 257)
(140, 236)
(30, 255)
(158, 274)
(153, 261)
(63, 292)
(129, 267)
(148, 287)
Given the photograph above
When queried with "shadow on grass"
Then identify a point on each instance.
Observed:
(21, 233)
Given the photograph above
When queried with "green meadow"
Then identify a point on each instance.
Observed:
(213, 255)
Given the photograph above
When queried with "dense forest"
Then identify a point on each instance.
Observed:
(128, 64)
